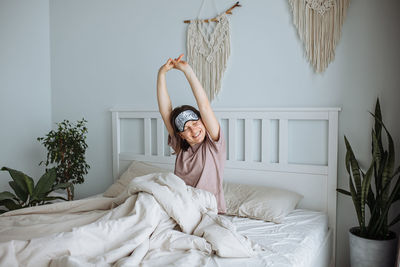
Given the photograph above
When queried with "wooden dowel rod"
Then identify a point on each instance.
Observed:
(229, 11)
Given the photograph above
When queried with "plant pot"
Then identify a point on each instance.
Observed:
(371, 253)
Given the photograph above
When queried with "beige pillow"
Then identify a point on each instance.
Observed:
(137, 168)
(259, 202)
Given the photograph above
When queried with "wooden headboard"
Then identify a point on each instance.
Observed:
(290, 148)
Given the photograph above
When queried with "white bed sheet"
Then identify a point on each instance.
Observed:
(295, 242)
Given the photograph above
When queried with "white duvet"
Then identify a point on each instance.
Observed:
(157, 221)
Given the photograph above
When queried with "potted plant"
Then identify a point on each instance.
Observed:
(371, 242)
(26, 193)
(66, 149)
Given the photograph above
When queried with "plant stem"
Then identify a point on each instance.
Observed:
(69, 194)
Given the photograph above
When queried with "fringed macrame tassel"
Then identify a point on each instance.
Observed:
(319, 24)
(208, 53)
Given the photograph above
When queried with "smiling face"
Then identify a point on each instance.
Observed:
(194, 132)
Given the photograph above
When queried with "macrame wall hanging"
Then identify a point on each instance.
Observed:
(208, 49)
(319, 24)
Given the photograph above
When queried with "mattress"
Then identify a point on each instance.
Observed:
(295, 242)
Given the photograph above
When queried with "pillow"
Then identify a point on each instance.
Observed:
(259, 202)
(137, 168)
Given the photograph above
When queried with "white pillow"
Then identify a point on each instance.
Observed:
(136, 169)
(259, 202)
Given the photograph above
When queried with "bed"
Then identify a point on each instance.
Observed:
(149, 217)
(261, 150)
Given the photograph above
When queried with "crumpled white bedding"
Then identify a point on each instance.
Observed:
(293, 243)
(157, 221)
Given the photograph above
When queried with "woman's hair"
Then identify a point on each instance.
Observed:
(182, 143)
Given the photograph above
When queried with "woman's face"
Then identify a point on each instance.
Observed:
(194, 132)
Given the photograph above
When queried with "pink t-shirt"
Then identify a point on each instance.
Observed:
(202, 166)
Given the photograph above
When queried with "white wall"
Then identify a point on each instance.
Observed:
(106, 53)
(25, 107)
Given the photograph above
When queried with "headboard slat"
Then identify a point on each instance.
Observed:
(283, 141)
(265, 133)
(116, 136)
(248, 126)
(232, 139)
(147, 136)
(160, 137)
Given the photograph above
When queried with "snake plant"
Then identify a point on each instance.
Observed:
(379, 193)
(27, 194)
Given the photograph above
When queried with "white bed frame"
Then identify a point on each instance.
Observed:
(317, 183)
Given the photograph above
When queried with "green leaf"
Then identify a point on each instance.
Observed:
(45, 183)
(10, 204)
(355, 190)
(343, 191)
(347, 161)
(371, 200)
(6, 195)
(395, 220)
(378, 115)
(378, 177)
(376, 151)
(366, 185)
(24, 181)
(356, 202)
(62, 186)
(385, 209)
(22, 195)
(396, 172)
(389, 166)
(395, 195)
(355, 168)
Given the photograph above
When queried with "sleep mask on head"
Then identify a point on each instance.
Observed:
(183, 117)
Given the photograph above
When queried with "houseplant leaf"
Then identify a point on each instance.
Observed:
(45, 183)
(6, 195)
(22, 195)
(389, 166)
(395, 220)
(62, 186)
(383, 218)
(24, 181)
(10, 204)
(378, 125)
(376, 151)
(354, 171)
(345, 192)
(366, 184)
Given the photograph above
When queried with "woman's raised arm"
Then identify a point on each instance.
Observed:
(207, 114)
(164, 101)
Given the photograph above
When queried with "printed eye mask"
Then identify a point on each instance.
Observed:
(183, 117)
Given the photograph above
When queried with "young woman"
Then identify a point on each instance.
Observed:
(195, 135)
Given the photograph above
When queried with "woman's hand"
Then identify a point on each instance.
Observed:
(167, 66)
(176, 63)
(181, 64)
